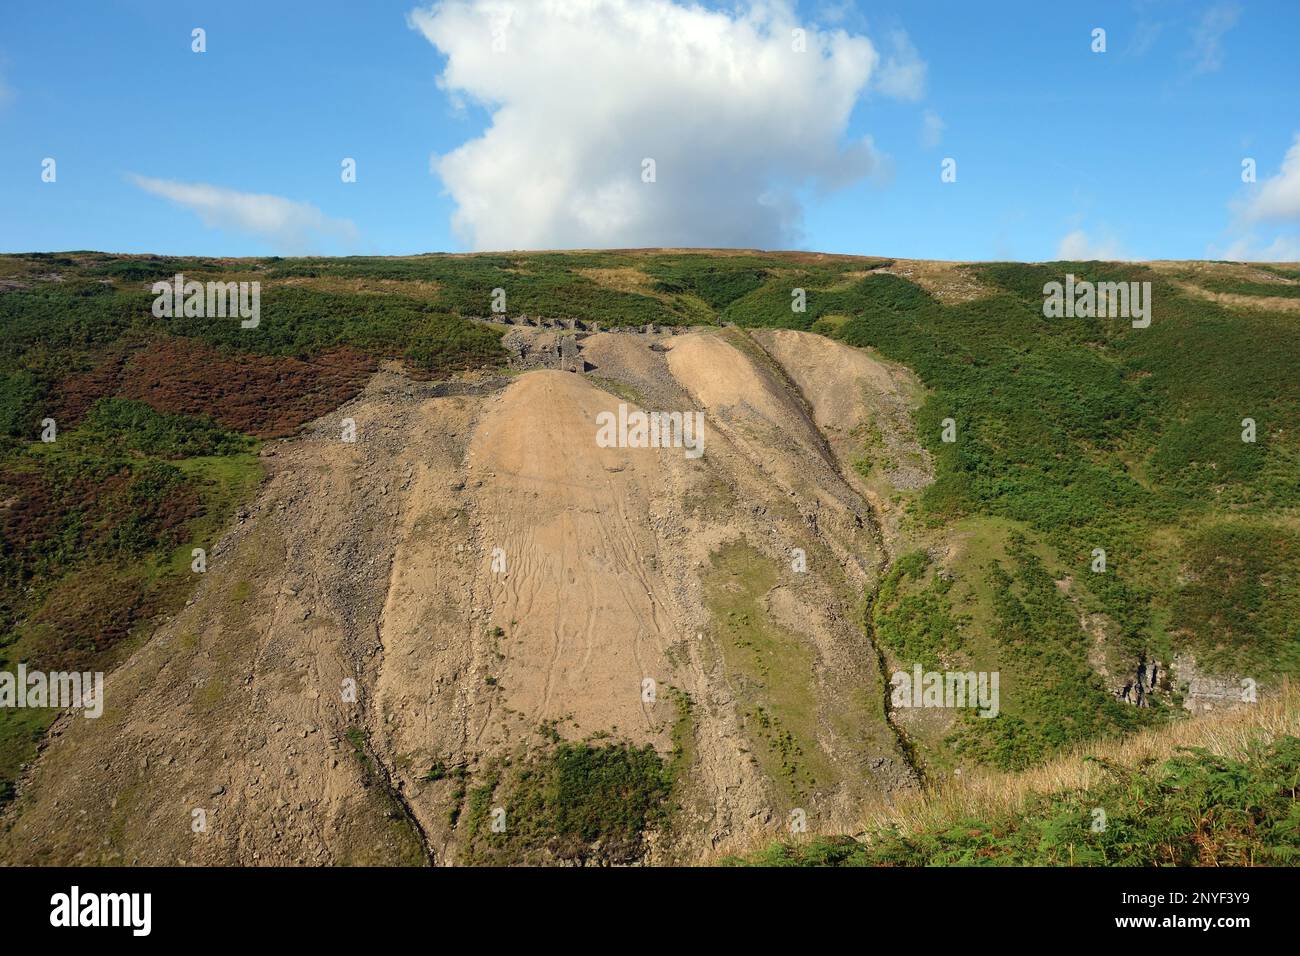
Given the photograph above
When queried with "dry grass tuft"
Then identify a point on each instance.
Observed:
(988, 794)
(984, 794)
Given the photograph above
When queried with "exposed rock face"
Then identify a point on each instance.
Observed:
(1140, 688)
(1204, 692)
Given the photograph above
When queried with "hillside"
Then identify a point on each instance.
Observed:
(440, 622)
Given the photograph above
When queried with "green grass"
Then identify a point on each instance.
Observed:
(20, 731)
(716, 282)
(1243, 287)
(539, 285)
(996, 607)
(1238, 601)
(1050, 696)
(912, 616)
(773, 670)
(302, 321)
(826, 297)
(683, 737)
(1279, 271)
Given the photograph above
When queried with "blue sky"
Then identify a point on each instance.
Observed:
(1131, 153)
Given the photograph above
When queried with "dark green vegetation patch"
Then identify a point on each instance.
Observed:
(578, 803)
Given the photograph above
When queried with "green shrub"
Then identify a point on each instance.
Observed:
(579, 802)
(120, 426)
(912, 616)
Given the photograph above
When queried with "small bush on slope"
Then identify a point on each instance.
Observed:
(578, 803)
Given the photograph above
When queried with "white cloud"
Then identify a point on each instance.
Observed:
(1274, 202)
(288, 225)
(903, 73)
(1207, 36)
(932, 128)
(1277, 198)
(1281, 249)
(1076, 246)
(739, 124)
